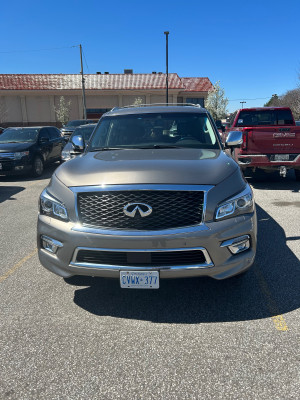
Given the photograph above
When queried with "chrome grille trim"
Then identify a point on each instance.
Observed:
(4, 156)
(207, 264)
(123, 232)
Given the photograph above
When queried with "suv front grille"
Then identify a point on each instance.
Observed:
(136, 258)
(170, 209)
(7, 156)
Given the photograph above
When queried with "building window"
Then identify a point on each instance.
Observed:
(196, 100)
(96, 112)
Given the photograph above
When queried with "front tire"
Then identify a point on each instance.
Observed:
(37, 167)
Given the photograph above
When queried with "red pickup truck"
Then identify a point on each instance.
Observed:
(271, 139)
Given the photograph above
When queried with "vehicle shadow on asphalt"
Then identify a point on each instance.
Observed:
(269, 288)
(7, 192)
(273, 181)
(48, 172)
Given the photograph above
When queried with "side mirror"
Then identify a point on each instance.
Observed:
(78, 143)
(234, 139)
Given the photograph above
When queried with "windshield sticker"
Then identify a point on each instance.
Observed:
(240, 121)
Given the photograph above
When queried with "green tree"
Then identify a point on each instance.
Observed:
(273, 102)
(216, 102)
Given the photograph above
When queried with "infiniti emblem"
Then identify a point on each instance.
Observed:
(131, 208)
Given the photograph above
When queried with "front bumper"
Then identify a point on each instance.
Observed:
(9, 167)
(219, 263)
(267, 162)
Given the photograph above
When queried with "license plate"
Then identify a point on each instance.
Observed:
(281, 157)
(0, 165)
(139, 279)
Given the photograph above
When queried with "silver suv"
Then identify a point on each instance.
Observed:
(152, 196)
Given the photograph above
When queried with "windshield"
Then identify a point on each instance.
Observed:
(85, 132)
(157, 130)
(21, 135)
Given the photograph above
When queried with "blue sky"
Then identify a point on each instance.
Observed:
(251, 47)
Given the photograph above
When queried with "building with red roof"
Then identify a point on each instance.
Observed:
(31, 99)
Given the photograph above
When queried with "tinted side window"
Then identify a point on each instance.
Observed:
(44, 134)
(54, 133)
(284, 117)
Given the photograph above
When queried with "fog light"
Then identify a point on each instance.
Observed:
(50, 245)
(237, 245)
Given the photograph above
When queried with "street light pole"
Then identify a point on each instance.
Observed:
(167, 67)
(83, 88)
(242, 103)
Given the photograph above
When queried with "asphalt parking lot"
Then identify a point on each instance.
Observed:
(86, 338)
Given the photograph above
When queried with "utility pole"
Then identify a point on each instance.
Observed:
(167, 68)
(83, 88)
(242, 103)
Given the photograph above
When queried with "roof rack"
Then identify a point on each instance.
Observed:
(159, 104)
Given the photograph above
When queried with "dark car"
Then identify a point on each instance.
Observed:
(85, 131)
(70, 127)
(27, 150)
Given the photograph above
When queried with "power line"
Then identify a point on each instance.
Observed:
(36, 50)
(258, 98)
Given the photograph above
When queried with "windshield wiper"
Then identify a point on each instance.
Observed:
(159, 146)
(107, 148)
(154, 146)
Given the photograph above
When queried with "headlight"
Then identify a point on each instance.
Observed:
(65, 155)
(52, 207)
(239, 204)
(19, 155)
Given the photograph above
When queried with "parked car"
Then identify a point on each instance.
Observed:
(152, 196)
(271, 140)
(85, 131)
(69, 128)
(27, 150)
(297, 123)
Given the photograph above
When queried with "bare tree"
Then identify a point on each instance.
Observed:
(292, 99)
(216, 102)
(63, 110)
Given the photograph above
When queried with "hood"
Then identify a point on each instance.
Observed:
(12, 147)
(147, 166)
(68, 129)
